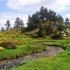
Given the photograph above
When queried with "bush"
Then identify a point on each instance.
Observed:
(8, 45)
(57, 36)
(1, 48)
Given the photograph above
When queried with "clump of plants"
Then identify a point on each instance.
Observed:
(8, 45)
(57, 36)
(1, 48)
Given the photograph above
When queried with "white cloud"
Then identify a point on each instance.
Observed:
(34, 5)
(11, 16)
(31, 6)
(19, 4)
(63, 2)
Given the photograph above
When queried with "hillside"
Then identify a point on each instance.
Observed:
(33, 53)
(43, 45)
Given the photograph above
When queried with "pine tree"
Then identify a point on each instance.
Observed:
(7, 25)
(2, 29)
(18, 23)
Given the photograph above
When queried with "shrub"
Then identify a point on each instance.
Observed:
(8, 45)
(1, 48)
(57, 36)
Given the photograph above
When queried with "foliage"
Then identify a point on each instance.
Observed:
(42, 31)
(8, 45)
(7, 24)
(67, 22)
(47, 21)
(59, 62)
(1, 48)
(49, 27)
(21, 50)
(42, 16)
(18, 23)
(32, 34)
(57, 36)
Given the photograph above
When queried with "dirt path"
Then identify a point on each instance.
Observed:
(51, 51)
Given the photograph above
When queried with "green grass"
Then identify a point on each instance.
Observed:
(59, 62)
(47, 64)
(25, 45)
(61, 43)
(20, 51)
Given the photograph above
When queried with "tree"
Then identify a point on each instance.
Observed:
(48, 22)
(33, 21)
(18, 23)
(21, 23)
(59, 19)
(52, 16)
(30, 23)
(2, 29)
(46, 14)
(67, 21)
(7, 25)
(42, 31)
(49, 27)
(42, 14)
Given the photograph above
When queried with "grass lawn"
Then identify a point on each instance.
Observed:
(20, 51)
(25, 45)
(59, 62)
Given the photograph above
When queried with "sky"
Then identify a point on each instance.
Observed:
(10, 9)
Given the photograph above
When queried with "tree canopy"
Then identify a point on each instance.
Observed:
(48, 22)
(7, 24)
(18, 23)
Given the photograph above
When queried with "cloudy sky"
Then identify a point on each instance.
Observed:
(10, 9)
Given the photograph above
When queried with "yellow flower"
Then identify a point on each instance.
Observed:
(1, 48)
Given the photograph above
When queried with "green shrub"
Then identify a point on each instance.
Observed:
(57, 36)
(8, 45)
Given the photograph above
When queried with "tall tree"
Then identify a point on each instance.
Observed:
(33, 21)
(7, 25)
(42, 14)
(42, 31)
(67, 22)
(52, 16)
(47, 21)
(30, 23)
(18, 23)
(49, 27)
(46, 14)
(60, 18)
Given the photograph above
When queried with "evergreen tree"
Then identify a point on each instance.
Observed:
(7, 25)
(42, 14)
(2, 29)
(33, 21)
(67, 22)
(18, 23)
(59, 19)
(46, 14)
(52, 16)
(48, 22)
(42, 31)
(30, 23)
(49, 27)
